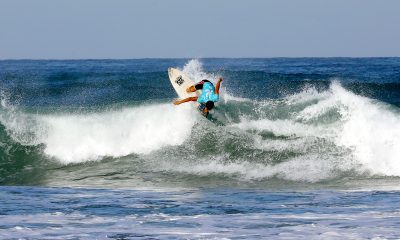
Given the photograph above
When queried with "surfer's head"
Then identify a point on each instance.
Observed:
(209, 105)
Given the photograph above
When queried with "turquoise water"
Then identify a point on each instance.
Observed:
(296, 148)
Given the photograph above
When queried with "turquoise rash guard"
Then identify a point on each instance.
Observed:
(208, 93)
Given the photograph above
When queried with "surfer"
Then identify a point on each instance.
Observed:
(208, 96)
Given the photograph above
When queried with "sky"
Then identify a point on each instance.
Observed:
(98, 29)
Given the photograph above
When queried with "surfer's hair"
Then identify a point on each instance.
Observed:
(209, 105)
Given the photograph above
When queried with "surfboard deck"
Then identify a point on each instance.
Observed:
(181, 82)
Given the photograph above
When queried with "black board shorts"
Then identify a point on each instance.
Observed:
(199, 85)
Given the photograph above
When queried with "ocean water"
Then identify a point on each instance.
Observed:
(295, 149)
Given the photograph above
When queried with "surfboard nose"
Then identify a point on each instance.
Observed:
(171, 71)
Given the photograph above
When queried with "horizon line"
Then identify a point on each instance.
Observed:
(143, 58)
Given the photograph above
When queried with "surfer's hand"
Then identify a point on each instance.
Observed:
(220, 79)
(177, 102)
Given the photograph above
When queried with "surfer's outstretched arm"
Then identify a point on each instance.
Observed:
(177, 102)
(218, 85)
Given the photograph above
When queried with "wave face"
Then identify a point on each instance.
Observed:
(280, 122)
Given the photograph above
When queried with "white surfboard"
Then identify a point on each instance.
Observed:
(181, 82)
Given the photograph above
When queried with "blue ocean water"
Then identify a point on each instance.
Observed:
(295, 149)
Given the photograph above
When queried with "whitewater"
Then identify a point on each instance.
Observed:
(294, 131)
(308, 136)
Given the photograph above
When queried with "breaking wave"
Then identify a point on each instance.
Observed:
(314, 135)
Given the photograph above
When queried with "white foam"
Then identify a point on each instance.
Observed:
(297, 144)
(227, 97)
(372, 131)
(368, 129)
(279, 127)
(131, 130)
(307, 95)
(296, 169)
(20, 126)
(81, 137)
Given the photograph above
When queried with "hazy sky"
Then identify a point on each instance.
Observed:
(70, 29)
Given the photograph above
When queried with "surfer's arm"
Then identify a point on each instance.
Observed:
(177, 102)
(218, 85)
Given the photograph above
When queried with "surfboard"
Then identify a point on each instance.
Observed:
(181, 82)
